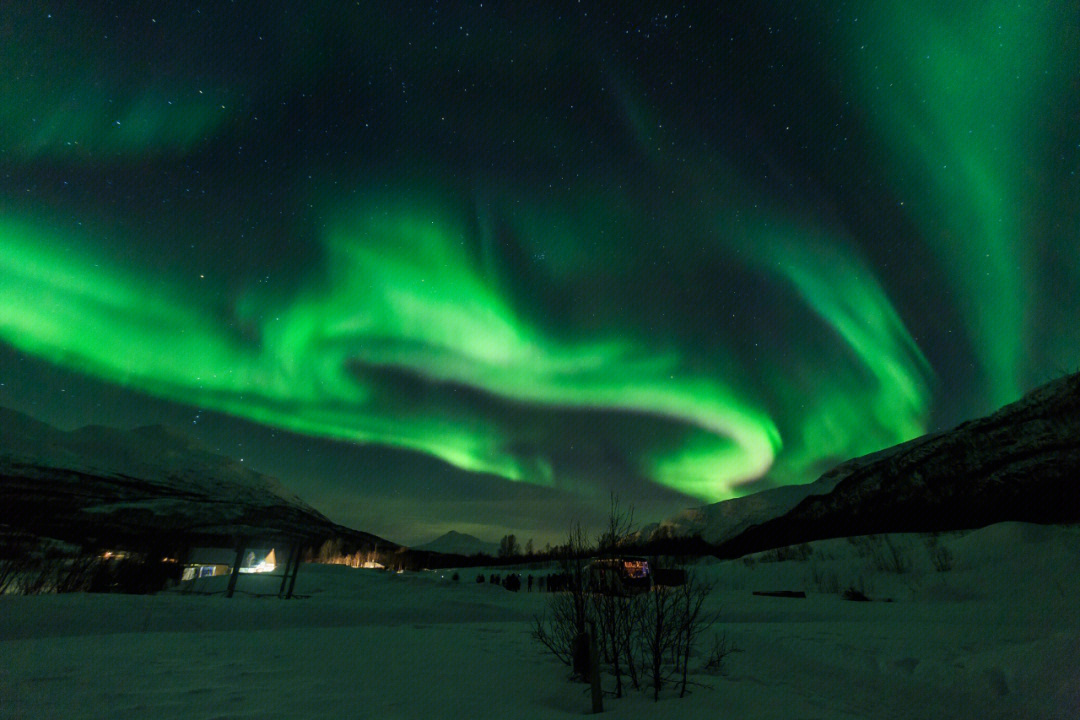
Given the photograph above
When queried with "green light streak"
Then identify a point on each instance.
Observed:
(83, 120)
(845, 294)
(951, 91)
(842, 399)
(401, 293)
(835, 400)
(413, 299)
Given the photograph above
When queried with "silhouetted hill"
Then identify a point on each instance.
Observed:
(455, 543)
(724, 520)
(99, 485)
(1020, 463)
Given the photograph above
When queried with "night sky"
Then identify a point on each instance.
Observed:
(476, 265)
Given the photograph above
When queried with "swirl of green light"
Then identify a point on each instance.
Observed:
(400, 293)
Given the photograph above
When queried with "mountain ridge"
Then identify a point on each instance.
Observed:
(1019, 463)
(721, 521)
(100, 484)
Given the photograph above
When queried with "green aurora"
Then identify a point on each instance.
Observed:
(520, 271)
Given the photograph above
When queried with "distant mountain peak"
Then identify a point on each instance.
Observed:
(458, 543)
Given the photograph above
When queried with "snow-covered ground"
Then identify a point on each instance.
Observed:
(996, 636)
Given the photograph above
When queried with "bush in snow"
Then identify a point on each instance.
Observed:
(856, 595)
(717, 655)
(940, 557)
(649, 638)
(29, 566)
(800, 553)
(884, 553)
(827, 580)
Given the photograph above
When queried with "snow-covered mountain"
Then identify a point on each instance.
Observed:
(455, 543)
(100, 482)
(724, 520)
(1021, 463)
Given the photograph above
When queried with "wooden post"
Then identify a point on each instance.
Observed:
(235, 568)
(285, 572)
(296, 569)
(594, 671)
(580, 650)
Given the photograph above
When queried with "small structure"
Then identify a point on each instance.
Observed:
(213, 561)
(250, 554)
(621, 576)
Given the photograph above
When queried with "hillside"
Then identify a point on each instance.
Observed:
(724, 520)
(97, 484)
(1020, 463)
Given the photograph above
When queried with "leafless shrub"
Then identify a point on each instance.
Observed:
(12, 572)
(647, 636)
(939, 555)
(884, 553)
(827, 580)
(691, 621)
(615, 613)
(800, 553)
(562, 628)
(556, 629)
(657, 628)
(49, 572)
(854, 594)
(717, 655)
(617, 623)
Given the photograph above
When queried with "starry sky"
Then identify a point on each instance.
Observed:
(475, 266)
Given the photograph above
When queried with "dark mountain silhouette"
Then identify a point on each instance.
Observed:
(455, 543)
(724, 520)
(1021, 463)
(150, 485)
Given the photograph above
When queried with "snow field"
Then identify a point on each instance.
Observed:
(997, 636)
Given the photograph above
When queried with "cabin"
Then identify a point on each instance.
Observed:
(271, 553)
(621, 576)
(210, 562)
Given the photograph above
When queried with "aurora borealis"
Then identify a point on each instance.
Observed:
(472, 266)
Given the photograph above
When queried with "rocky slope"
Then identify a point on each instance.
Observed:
(1021, 463)
(724, 520)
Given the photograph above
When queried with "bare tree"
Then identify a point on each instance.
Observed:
(691, 622)
(658, 628)
(508, 546)
(574, 564)
(717, 656)
(614, 611)
(619, 527)
(556, 629)
(645, 634)
(563, 628)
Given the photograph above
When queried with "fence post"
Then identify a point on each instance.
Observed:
(285, 572)
(594, 671)
(296, 568)
(236, 568)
